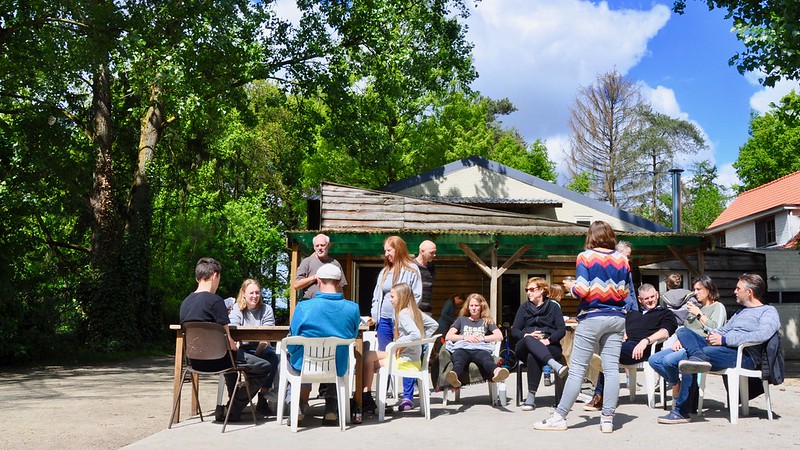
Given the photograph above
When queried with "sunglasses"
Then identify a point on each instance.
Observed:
(532, 289)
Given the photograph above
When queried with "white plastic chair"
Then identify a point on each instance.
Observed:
(650, 378)
(319, 366)
(422, 375)
(493, 387)
(737, 387)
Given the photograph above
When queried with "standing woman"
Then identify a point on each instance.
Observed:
(704, 310)
(251, 310)
(539, 327)
(601, 285)
(398, 267)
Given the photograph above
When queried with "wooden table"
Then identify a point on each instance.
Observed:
(254, 334)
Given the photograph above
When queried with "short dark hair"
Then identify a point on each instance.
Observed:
(755, 283)
(706, 282)
(206, 267)
(600, 235)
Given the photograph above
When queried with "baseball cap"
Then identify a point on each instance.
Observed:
(329, 272)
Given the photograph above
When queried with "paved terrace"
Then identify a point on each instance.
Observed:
(128, 403)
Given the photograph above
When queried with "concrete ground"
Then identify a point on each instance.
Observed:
(128, 405)
(473, 423)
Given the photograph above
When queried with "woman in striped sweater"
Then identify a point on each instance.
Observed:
(600, 274)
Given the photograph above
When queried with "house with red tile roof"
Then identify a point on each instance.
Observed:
(764, 217)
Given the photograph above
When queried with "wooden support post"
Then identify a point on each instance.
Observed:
(292, 275)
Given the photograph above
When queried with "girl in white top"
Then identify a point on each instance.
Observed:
(410, 325)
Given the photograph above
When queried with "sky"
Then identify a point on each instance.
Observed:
(539, 52)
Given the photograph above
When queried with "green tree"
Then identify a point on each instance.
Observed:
(704, 199)
(659, 143)
(769, 32)
(121, 93)
(580, 182)
(773, 149)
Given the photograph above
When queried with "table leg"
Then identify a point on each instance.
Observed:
(359, 371)
(176, 384)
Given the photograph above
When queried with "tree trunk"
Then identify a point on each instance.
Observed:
(105, 232)
(138, 229)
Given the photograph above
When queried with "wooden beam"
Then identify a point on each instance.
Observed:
(493, 286)
(516, 256)
(292, 276)
(476, 259)
(692, 269)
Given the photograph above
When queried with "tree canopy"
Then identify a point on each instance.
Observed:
(773, 149)
(769, 32)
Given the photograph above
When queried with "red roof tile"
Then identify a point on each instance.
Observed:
(783, 191)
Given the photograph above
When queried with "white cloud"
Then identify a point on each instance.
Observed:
(726, 175)
(557, 147)
(760, 101)
(538, 53)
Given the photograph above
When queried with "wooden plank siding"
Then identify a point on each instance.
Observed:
(345, 208)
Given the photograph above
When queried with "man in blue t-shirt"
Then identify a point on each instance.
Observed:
(327, 314)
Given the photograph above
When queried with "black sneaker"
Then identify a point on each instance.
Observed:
(368, 404)
(219, 413)
(263, 406)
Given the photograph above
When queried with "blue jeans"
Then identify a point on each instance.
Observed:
(385, 332)
(720, 357)
(665, 363)
(593, 333)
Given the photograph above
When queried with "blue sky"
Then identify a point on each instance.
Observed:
(538, 52)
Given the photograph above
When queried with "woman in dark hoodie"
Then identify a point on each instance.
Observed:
(538, 327)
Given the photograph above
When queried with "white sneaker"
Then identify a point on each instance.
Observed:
(583, 398)
(606, 423)
(552, 423)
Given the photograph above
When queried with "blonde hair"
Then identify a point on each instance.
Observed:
(241, 302)
(405, 299)
(486, 315)
(402, 259)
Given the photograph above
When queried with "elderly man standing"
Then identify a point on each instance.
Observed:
(642, 328)
(756, 322)
(328, 314)
(427, 271)
(307, 270)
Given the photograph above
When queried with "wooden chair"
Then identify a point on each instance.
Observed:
(208, 341)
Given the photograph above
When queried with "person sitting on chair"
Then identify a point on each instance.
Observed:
(643, 326)
(204, 305)
(756, 322)
(471, 339)
(539, 327)
(327, 314)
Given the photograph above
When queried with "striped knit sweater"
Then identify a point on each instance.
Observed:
(600, 283)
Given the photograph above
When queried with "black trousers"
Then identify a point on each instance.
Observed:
(535, 354)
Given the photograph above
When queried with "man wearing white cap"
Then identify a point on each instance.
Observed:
(328, 314)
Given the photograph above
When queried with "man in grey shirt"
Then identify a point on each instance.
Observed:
(307, 270)
(756, 322)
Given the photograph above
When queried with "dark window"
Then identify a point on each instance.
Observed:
(583, 222)
(720, 239)
(765, 232)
